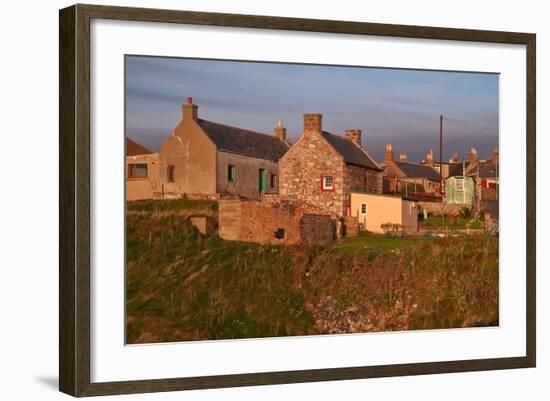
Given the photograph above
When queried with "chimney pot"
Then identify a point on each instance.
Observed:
(280, 131)
(388, 153)
(354, 135)
(430, 156)
(190, 110)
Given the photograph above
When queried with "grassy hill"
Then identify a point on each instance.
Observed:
(181, 285)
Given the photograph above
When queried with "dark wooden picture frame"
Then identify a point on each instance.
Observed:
(74, 203)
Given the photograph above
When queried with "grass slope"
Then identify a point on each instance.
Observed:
(185, 286)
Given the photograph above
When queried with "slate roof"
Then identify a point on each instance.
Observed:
(244, 142)
(350, 152)
(133, 148)
(414, 170)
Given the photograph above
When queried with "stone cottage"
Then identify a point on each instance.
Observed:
(205, 158)
(405, 177)
(142, 171)
(322, 169)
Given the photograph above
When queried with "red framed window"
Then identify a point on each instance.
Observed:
(327, 182)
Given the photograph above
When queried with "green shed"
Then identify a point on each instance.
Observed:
(459, 190)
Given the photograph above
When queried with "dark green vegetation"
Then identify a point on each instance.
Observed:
(182, 285)
(459, 222)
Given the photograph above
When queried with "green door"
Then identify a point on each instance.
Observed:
(262, 180)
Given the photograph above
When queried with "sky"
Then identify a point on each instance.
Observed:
(389, 105)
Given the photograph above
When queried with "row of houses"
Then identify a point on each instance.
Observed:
(322, 173)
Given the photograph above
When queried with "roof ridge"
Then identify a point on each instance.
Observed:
(239, 128)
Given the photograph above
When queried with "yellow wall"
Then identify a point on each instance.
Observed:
(193, 155)
(143, 188)
(382, 209)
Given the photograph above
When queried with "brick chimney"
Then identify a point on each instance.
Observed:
(354, 135)
(403, 157)
(495, 156)
(313, 122)
(388, 152)
(280, 131)
(430, 157)
(190, 110)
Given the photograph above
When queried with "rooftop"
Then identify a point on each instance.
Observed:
(350, 152)
(244, 142)
(414, 170)
(133, 148)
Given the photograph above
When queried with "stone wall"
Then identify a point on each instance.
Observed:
(362, 179)
(351, 225)
(301, 169)
(315, 228)
(437, 209)
(247, 175)
(259, 221)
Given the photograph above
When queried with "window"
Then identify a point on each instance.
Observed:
(137, 170)
(273, 181)
(171, 173)
(363, 208)
(231, 173)
(459, 184)
(327, 183)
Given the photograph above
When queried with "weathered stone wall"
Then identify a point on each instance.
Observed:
(247, 175)
(437, 209)
(362, 179)
(317, 229)
(301, 169)
(351, 224)
(230, 219)
(258, 221)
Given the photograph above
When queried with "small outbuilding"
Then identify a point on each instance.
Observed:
(374, 211)
(459, 190)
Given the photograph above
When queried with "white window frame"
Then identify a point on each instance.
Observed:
(324, 183)
(457, 180)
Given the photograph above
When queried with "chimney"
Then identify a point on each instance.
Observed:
(190, 110)
(388, 152)
(280, 131)
(495, 156)
(473, 154)
(430, 157)
(403, 157)
(313, 122)
(354, 135)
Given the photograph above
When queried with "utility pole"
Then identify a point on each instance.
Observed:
(464, 180)
(441, 156)
(441, 167)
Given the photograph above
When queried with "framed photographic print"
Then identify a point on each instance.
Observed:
(250, 200)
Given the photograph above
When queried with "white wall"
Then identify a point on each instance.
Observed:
(28, 334)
